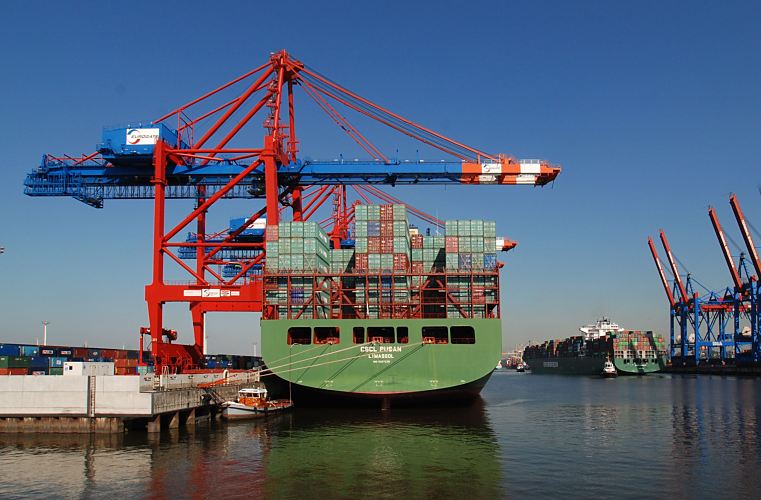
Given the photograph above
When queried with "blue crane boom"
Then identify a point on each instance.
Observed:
(125, 173)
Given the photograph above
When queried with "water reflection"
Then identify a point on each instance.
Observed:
(420, 453)
(533, 436)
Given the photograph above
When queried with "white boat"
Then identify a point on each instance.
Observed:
(609, 370)
(252, 402)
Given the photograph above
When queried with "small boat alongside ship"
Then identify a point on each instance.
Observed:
(253, 402)
(609, 370)
(631, 352)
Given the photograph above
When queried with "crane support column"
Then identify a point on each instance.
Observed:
(155, 305)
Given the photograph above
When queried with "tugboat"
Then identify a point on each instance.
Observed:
(252, 402)
(609, 370)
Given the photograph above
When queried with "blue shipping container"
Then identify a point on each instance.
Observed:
(30, 350)
(490, 261)
(9, 349)
(57, 361)
(38, 362)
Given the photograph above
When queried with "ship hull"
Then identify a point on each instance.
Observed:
(592, 365)
(566, 366)
(416, 371)
(629, 367)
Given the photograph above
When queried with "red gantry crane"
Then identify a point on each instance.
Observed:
(752, 291)
(198, 151)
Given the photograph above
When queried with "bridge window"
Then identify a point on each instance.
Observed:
(402, 335)
(435, 335)
(380, 334)
(359, 334)
(327, 335)
(299, 335)
(463, 335)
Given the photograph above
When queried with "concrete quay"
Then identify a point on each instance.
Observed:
(112, 404)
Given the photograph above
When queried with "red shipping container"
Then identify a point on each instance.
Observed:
(81, 352)
(272, 233)
(373, 244)
(108, 353)
(386, 245)
(451, 245)
(417, 241)
(13, 371)
(360, 261)
(401, 262)
(417, 268)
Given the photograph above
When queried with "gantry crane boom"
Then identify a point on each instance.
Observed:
(674, 269)
(92, 182)
(725, 249)
(664, 281)
(746, 234)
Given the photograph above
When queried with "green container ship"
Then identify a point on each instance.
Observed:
(632, 352)
(401, 317)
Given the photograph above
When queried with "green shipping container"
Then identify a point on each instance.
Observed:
(14, 362)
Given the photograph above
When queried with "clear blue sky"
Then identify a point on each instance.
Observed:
(652, 108)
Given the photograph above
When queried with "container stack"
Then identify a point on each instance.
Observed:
(24, 359)
(297, 247)
(470, 245)
(384, 275)
(298, 251)
(382, 237)
(383, 246)
(639, 344)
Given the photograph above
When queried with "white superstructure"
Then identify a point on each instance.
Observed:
(600, 329)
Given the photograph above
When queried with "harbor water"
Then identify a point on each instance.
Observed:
(540, 436)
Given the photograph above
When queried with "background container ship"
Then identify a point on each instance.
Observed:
(401, 316)
(632, 352)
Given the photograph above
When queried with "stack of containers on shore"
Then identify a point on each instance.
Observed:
(383, 251)
(125, 362)
(24, 359)
(302, 250)
(470, 246)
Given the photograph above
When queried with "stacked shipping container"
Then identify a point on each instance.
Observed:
(391, 270)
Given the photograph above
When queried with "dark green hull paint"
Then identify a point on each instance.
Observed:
(383, 371)
(591, 366)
